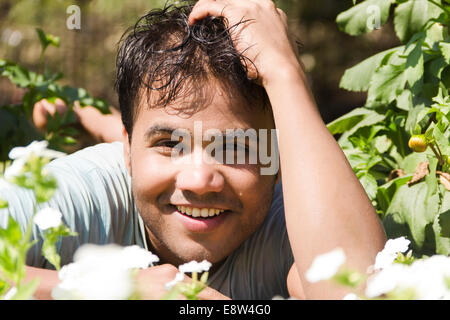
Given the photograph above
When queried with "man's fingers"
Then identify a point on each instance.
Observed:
(206, 8)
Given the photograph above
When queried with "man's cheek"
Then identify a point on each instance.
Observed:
(149, 174)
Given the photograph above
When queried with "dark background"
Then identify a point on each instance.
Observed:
(87, 56)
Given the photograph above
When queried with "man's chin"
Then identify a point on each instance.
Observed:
(200, 252)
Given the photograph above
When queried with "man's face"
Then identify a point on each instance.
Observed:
(169, 193)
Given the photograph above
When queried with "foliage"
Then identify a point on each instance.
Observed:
(394, 276)
(407, 97)
(15, 120)
(14, 244)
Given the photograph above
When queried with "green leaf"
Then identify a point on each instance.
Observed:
(387, 83)
(445, 50)
(173, 294)
(386, 191)
(370, 185)
(444, 216)
(19, 75)
(12, 233)
(404, 100)
(49, 250)
(364, 17)
(370, 119)
(411, 16)
(411, 161)
(349, 120)
(26, 291)
(442, 141)
(42, 38)
(51, 237)
(415, 63)
(358, 77)
(410, 213)
(47, 39)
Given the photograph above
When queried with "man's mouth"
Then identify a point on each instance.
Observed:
(200, 212)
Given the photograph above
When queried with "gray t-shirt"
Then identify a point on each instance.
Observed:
(94, 196)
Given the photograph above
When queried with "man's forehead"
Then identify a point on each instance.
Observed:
(215, 107)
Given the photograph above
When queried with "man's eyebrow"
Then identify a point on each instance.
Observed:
(232, 134)
(158, 129)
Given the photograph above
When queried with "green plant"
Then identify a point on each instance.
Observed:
(407, 96)
(28, 171)
(15, 120)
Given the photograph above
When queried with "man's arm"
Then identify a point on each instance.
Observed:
(325, 204)
(150, 283)
(324, 201)
(48, 279)
(103, 127)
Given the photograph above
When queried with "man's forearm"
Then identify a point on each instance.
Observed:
(326, 206)
(48, 279)
(104, 127)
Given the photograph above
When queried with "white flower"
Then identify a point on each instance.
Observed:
(38, 148)
(101, 272)
(20, 155)
(195, 266)
(10, 294)
(48, 218)
(4, 184)
(385, 280)
(325, 266)
(351, 296)
(392, 247)
(15, 169)
(178, 278)
(83, 281)
(137, 257)
(426, 278)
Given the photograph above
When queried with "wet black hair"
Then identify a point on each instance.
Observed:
(162, 53)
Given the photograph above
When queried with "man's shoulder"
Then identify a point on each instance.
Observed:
(103, 155)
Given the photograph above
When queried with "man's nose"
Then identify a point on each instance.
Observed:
(200, 179)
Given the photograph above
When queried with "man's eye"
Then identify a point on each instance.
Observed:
(166, 143)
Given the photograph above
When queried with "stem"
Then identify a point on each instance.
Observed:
(41, 61)
(441, 161)
(439, 5)
(194, 277)
(439, 150)
(402, 147)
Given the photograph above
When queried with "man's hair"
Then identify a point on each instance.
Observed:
(162, 53)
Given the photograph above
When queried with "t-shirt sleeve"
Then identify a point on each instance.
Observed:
(93, 196)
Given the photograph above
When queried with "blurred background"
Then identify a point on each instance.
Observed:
(87, 56)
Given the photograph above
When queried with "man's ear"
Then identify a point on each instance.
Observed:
(126, 150)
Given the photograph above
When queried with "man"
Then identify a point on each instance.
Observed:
(220, 65)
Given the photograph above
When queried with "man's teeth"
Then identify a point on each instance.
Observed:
(200, 212)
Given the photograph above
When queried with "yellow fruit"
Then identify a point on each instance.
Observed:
(418, 143)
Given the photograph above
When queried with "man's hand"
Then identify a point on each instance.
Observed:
(259, 30)
(103, 127)
(43, 108)
(152, 283)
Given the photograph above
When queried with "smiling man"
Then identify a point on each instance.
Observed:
(227, 65)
